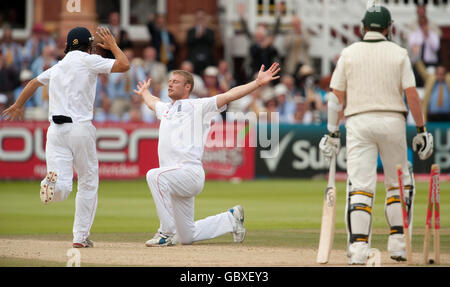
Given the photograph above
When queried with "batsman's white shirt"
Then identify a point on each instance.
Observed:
(374, 75)
(183, 131)
(72, 82)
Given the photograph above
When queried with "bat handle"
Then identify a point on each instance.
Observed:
(332, 172)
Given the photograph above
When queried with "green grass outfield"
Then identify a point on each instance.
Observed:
(278, 212)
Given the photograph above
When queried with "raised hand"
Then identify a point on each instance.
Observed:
(143, 87)
(107, 39)
(265, 77)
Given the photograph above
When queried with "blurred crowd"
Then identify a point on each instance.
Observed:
(299, 96)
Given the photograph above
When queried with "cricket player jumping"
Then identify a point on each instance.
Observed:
(369, 80)
(185, 124)
(71, 135)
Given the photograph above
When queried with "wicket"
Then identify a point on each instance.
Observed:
(433, 202)
(405, 216)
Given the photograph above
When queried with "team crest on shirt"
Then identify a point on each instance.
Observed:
(179, 113)
(175, 112)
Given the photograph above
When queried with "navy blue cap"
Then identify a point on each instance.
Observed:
(79, 36)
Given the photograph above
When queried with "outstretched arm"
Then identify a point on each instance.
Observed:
(143, 91)
(15, 110)
(264, 77)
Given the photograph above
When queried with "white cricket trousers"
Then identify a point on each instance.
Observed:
(369, 134)
(173, 190)
(69, 146)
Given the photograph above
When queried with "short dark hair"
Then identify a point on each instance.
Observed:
(82, 47)
(376, 29)
(188, 78)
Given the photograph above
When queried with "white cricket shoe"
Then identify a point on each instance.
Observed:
(238, 215)
(359, 252)
(48, 187)
(85, 244)
(161, 239)
(397, 247)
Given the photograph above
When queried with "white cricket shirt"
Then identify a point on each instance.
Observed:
(374, 73)
(72, 82)
(184, 129)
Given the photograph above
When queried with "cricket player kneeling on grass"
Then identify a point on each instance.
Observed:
(369, 80)
(185, 124)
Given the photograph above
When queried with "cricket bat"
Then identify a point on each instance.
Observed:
(328, 216)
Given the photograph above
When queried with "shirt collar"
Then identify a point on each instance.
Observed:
(74, 53)
(172, 102)
(372, 35)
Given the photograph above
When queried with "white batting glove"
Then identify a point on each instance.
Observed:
(330, 144)
(423, 143)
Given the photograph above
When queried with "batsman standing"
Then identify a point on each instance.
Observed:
(71, 135)
(369, 81)
(185, 124)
